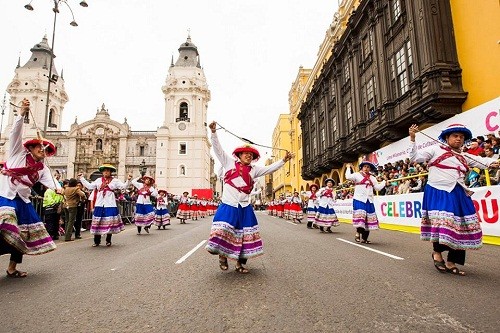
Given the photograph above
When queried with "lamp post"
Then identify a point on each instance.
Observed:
(4, 106)
(143, 168)
(49, 77)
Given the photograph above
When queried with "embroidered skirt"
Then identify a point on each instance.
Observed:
(311, 214)
(326, 217)
(235, 233)
(106, 220)
(21, 227)
(450, 219)
(363, 215)
(162, 217)
(144, 215)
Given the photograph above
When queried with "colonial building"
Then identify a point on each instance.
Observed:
(395, 64)
(177, 154)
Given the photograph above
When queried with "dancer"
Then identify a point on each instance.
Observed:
(106, 219)
(162, 216)
(21, 229)
(326, 216)
(235, 230)
(296, 213)
(312, 205)
(144, 211)
(449, 219)
(364, 217)
(183, 210)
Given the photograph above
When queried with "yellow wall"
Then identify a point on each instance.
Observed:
(281, 139)
(477, 34)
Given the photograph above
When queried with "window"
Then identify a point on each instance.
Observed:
(410, 60)
(322, 139)
(183, 113)
(98, 144)
(182, 148)
(367, 44)
(348, 112)
(347, 73)
(402, 75)
(141, 150)
(370, 97)
(182, 170)
(396, 10)
(314, 147)
(334, 127)
(332, 88)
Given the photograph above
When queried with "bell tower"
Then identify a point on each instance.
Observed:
(31, 82)
(183, 160)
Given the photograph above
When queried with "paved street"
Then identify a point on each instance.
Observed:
(306, 282)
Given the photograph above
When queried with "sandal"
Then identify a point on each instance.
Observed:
(365, 241)
(329, 230)
(242, 270)
(357, 237)
(108, 243)
(223, 264)
(95, 245)
(17, 274)
(455, 271)
(440, 266)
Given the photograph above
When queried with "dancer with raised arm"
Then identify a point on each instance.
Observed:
(449, 218)
(235, 230)
(21, 229)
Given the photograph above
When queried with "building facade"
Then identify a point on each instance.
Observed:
(395, 64)
(177, 155)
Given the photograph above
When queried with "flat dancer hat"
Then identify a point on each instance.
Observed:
(107, 166)
(151, 180)
(48, 146)
(455, 128)
(329, 180)
(162, 191)
(249, 149)
(316, 186)
(373, 168)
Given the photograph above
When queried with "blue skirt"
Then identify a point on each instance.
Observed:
(235, 233)
(450, 219)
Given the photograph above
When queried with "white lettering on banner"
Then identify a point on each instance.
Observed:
(481, 120)
(406, 209)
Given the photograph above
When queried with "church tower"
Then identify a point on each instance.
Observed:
(183, 160)
(31, 82)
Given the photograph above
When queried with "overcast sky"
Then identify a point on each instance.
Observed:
(120, 53)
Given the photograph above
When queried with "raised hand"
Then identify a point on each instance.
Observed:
(413, 130)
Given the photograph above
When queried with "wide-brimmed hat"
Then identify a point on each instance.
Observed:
(163, 191)
(373, 168)
(247, 148)
(314, 185)
(151, 179)
(329, 180)
(455, 128)
(107, 166)
(48, 146)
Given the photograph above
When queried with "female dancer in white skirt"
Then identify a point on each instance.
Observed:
(183, 211)
(449, 219)
(235, 230)
(162, 216)
(296, 213)
(326, 216)
(144, 211)
(364, 217)
(106, 219)
(312, 205)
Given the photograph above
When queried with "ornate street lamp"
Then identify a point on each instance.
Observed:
(143, 168)
(49, 77)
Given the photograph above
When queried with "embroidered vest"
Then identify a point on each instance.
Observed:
(242, 171)
(328, 193)
(446, 155)
(144, 191)
(366, 181)
(31, 170)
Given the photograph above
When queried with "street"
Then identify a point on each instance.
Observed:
(306, 281)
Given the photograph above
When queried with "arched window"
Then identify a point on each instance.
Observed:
(183, 110)
(182, 170)
(52, 118)
(98, 144)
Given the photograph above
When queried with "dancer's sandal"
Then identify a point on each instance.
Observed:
(357, 237)
(17, 274)
(242, 270)
(365, 241)
(455, 271)
(440, 266)
(108, 243)
(223, 264)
